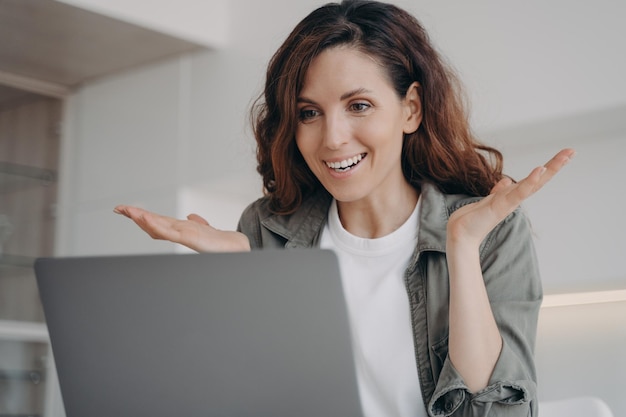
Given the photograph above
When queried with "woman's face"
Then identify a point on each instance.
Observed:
(351, 126)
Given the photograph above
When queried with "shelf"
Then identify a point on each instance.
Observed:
(14, 177)
(16, 261)
(28, 193)
(20, 415)
(16, 265)
(34, 376)
(24, 331)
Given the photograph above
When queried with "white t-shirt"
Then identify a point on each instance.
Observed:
(378, 308)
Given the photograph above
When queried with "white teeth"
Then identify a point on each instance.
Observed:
(346, 163)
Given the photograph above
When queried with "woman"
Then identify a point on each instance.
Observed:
(364, 148)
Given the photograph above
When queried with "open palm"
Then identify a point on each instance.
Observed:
(472, 223)
(194, 232)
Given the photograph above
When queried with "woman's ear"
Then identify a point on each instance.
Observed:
(413, 107)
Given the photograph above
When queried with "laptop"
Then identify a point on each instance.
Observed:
(263, 333)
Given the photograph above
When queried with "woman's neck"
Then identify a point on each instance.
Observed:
(375, 217)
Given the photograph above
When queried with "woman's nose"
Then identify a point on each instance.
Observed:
(335, 132)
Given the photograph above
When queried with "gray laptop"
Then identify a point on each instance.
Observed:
(231, 334)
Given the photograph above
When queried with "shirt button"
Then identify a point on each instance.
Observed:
(449, 406)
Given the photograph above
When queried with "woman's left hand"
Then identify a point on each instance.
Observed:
(471, 223)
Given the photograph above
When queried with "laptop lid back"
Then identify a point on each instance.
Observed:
(258, 334)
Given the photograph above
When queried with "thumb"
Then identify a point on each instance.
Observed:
(502, 184)
(197, 219)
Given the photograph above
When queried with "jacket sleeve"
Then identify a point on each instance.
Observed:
(511, 275)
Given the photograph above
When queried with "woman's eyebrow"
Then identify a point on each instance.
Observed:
(344, 96)
(354, 92)
(305, 100)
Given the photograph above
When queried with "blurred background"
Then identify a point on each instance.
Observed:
(146, 102)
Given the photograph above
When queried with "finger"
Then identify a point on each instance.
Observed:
(551, 168)
(526, 187)
(121, 209)
(501, 185)
(539, 177)
(563, 156)
(156, 225)
(129, 211)
(557, 162)
(197, 219)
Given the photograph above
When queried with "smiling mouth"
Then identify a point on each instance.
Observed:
(346, 164)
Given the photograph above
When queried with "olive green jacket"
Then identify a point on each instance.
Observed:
(511, 277)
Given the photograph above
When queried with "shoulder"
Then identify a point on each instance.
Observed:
(517, 218)
(256, 211)
(260, 211)
(437, 207)
(252, 218)
(507, 254)
(509, 243)
(266, 228)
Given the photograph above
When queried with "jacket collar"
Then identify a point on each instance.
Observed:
(304, 227)
(434, 215)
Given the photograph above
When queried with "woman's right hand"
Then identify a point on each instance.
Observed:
(194, 232)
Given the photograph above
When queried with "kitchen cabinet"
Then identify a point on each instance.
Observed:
(29, 149)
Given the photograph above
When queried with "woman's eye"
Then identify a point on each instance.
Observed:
(359, 107)
(307, 114)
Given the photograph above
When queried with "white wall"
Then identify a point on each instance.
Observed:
(580, 352)
(532, 60)
(121, 146)
(173, 137)
(577, 218)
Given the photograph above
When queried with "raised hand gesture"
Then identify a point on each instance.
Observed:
(475, 341)
(472, 223)
(194, 232)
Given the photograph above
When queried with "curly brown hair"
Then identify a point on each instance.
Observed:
(443, 150)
